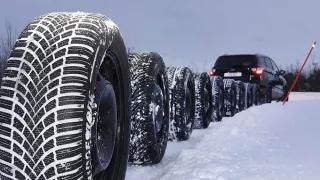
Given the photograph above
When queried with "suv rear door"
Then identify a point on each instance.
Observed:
(237, 67)
(273, 78)
(268, 72)
(278, 84)
(264, 79)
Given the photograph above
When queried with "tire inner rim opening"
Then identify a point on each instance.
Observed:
(104, 130)
(157, 108)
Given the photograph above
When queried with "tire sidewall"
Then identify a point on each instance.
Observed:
(118, 164)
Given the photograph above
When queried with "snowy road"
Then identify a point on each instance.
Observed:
(264, 142)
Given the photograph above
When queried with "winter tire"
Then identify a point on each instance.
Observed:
(256, 94)
(204, 106)
(64, 101)
(182, 103)
(248, 95)
(268, 95)
(150, 108)
(230, 93)
(240, 96)
(217, 98)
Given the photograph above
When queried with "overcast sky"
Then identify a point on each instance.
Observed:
(185, 32)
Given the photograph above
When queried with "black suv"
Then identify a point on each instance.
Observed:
(255, 69)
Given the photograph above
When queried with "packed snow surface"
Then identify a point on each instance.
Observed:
(264, 142)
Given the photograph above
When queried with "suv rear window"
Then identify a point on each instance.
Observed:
(235, 61)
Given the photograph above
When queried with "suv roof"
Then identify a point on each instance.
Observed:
(236, 60)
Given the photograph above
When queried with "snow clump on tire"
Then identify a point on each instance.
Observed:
(182, 102)
(49, 106)
(150, 108)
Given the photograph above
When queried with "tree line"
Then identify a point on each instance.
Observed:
(308, 81)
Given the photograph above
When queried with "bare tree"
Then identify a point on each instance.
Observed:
(205, 65)
(194, 67)
(6, 43)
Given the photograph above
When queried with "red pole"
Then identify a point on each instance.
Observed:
(299, 73)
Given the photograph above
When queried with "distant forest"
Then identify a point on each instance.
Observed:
(308, 81)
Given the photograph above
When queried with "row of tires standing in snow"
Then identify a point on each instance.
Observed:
(75, 105)
(169, 102)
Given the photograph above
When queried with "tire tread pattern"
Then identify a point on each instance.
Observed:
(229, 87)
(240, 96)
(217, 92)
(46, 100)
(248, 95)
(202, 115)
(180, 129)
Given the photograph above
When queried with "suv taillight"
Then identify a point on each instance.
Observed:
(212, 72)
(257, 71)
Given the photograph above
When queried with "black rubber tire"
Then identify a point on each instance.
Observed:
(256, 94)
(204, 105)
(240, 96)
(248, 95)
(181, 86)
(268, 95)
(217, 98)
(47, 98)
(149, 84)
(230, 96)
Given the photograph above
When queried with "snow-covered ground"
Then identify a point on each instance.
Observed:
(265, 142)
